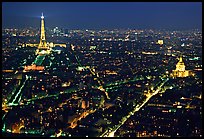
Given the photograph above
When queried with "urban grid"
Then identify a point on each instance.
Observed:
(101, 82)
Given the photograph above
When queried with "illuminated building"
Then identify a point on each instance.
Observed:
(180, 70)
(92, 47)
(160, 42)
(33, 67)
(136, 38)
(16, 127)
(84, 104)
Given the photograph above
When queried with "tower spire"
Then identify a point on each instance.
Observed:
(42, 17)
(42, 36)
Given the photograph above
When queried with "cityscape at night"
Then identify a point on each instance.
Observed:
(102, 69)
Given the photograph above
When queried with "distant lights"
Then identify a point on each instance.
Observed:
(160, 42)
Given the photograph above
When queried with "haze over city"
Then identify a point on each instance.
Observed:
(104, 15)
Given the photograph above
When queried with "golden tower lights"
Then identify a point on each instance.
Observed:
(42, 47)
(42, 36)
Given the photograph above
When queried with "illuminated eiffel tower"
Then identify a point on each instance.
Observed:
(42, 47)
(42, 44)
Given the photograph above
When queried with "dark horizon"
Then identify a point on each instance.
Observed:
(104, 15)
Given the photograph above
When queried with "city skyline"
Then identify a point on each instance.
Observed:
(59, 82)
(104, 15)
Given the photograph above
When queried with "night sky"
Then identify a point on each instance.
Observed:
(104, 15)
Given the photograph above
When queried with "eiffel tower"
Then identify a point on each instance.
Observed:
(42, 47)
